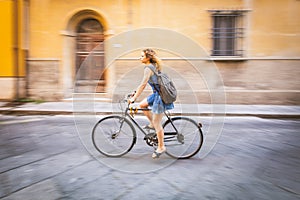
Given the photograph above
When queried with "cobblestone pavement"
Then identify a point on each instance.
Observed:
(42, 157)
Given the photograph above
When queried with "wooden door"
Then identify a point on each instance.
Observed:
(90, 75)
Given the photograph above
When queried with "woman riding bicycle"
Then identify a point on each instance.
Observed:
(150, 60)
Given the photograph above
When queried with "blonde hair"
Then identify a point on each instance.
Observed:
(151, 54)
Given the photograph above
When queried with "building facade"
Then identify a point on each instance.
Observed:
(53, 49)
(13, 49)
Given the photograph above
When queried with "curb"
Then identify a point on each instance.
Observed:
(51, 112)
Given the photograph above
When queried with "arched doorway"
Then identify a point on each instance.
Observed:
(90, 76)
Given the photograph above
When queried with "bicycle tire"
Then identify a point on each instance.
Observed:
(185, 143)
(114, 136)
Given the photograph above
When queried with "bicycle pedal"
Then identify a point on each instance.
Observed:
(149, 135)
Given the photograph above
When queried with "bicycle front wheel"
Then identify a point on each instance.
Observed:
(183, 137)
(113, 136)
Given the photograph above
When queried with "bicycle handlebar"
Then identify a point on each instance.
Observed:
(128, 96)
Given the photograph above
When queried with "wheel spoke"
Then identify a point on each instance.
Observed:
(113, 136)
(187, 142)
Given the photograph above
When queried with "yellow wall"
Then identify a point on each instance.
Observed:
(272, 28)
(191, 18)
(8, 62)
(50, 18)
(6, 35)
(21, 39)
(275, 28)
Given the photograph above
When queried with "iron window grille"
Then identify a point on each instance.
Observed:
(227, 33)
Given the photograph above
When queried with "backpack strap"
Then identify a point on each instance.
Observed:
(156, 74)
(153, 70)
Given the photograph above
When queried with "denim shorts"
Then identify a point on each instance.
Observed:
(157, 105)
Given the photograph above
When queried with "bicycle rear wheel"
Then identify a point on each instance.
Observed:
(183, 137)
(113, 136)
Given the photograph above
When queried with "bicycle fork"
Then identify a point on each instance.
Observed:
(117, 133)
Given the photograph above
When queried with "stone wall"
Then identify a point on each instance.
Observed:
(243, 82)
(12, 88)
(43, 80)
(261, 81)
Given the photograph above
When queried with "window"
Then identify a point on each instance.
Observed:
(227, 33)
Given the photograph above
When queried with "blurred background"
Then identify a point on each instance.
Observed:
(253, 44)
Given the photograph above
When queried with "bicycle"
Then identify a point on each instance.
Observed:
(115, 135)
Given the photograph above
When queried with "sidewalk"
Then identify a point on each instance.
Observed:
(105, 108)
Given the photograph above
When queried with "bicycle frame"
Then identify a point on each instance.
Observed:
(128, 113)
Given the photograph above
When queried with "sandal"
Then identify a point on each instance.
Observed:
(148, 127)
(158, 154)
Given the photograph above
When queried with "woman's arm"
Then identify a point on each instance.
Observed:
(143, 84)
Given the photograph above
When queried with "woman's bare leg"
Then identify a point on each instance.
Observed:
(157, 118)
(147, 113)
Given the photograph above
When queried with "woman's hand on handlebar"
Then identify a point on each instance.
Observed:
(131, 98)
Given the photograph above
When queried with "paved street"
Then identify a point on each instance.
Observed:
(48, 157)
